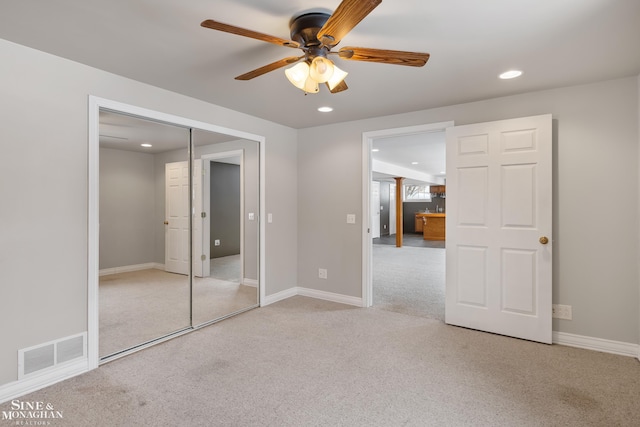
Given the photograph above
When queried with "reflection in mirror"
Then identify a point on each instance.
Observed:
(226, 228)
(144, 289)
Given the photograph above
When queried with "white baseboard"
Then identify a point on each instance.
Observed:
(250, 282)
(312, 293)
(597, 344)
(330, 296)
(19, 388)
(279, 296)
(129, 268)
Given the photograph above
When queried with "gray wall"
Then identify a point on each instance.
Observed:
(127, 199)
(595, 153)
(44, 121)
(225, 209)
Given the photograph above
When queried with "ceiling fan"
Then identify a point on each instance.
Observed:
(316, 34)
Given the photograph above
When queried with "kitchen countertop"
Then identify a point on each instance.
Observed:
(432, 214)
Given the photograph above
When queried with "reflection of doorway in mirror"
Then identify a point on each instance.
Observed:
(229, 236)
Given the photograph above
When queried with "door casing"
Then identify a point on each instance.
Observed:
(367, 178)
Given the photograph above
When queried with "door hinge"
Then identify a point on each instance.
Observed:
(203, 214)
(203, 257)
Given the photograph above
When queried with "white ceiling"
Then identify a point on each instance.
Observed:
(421, 152)
(160, 42)
(555, 42)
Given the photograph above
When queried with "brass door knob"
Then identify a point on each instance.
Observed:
(544, 240)
(166, 223)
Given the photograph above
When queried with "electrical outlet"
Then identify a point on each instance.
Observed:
(560, 311)
(252, 216)
(216, 242)
(322, 273)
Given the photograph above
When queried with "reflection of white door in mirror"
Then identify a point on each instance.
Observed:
(177, 217)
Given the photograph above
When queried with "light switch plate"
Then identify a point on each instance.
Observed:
(270, 218)
(252, 216)
(351, 218)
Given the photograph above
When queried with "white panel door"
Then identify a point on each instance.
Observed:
(375, 209)
(176, 243)
(392, 209)
(499, 193)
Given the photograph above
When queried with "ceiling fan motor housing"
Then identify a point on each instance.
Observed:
(304, 28)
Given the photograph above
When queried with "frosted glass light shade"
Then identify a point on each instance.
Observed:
(298, 74)
(311, 86)
(337, 77)
(321, 69)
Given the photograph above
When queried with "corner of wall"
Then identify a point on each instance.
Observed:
(638, 261)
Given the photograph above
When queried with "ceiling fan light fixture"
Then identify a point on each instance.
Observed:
(298, 75)
(337, 77)
(311, 86)
(321, 69)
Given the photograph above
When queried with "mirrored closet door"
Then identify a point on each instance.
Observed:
(178, 230)
(227, 280)
(142, 296)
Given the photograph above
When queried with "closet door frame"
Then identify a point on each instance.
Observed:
(95, 105)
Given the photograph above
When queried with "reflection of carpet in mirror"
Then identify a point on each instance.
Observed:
(214, 298)
(226, 268)
(139, 306)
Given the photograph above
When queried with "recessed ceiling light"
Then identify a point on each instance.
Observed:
(375, 150)
(146, 145)
(511, 74)
(325, 109)
(414, 163)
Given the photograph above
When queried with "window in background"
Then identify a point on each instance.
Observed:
(416, 193)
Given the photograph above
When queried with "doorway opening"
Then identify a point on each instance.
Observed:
(408, 279)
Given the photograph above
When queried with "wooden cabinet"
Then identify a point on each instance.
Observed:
(432, 225)
(438, 189)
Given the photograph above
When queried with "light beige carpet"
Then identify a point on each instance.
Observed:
(305, 362)
(409, 280)
(139, 306)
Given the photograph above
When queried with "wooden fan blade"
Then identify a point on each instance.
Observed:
(345, 17)
(412, 59)
(270, 67)
(340, 87)
(214, 25)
